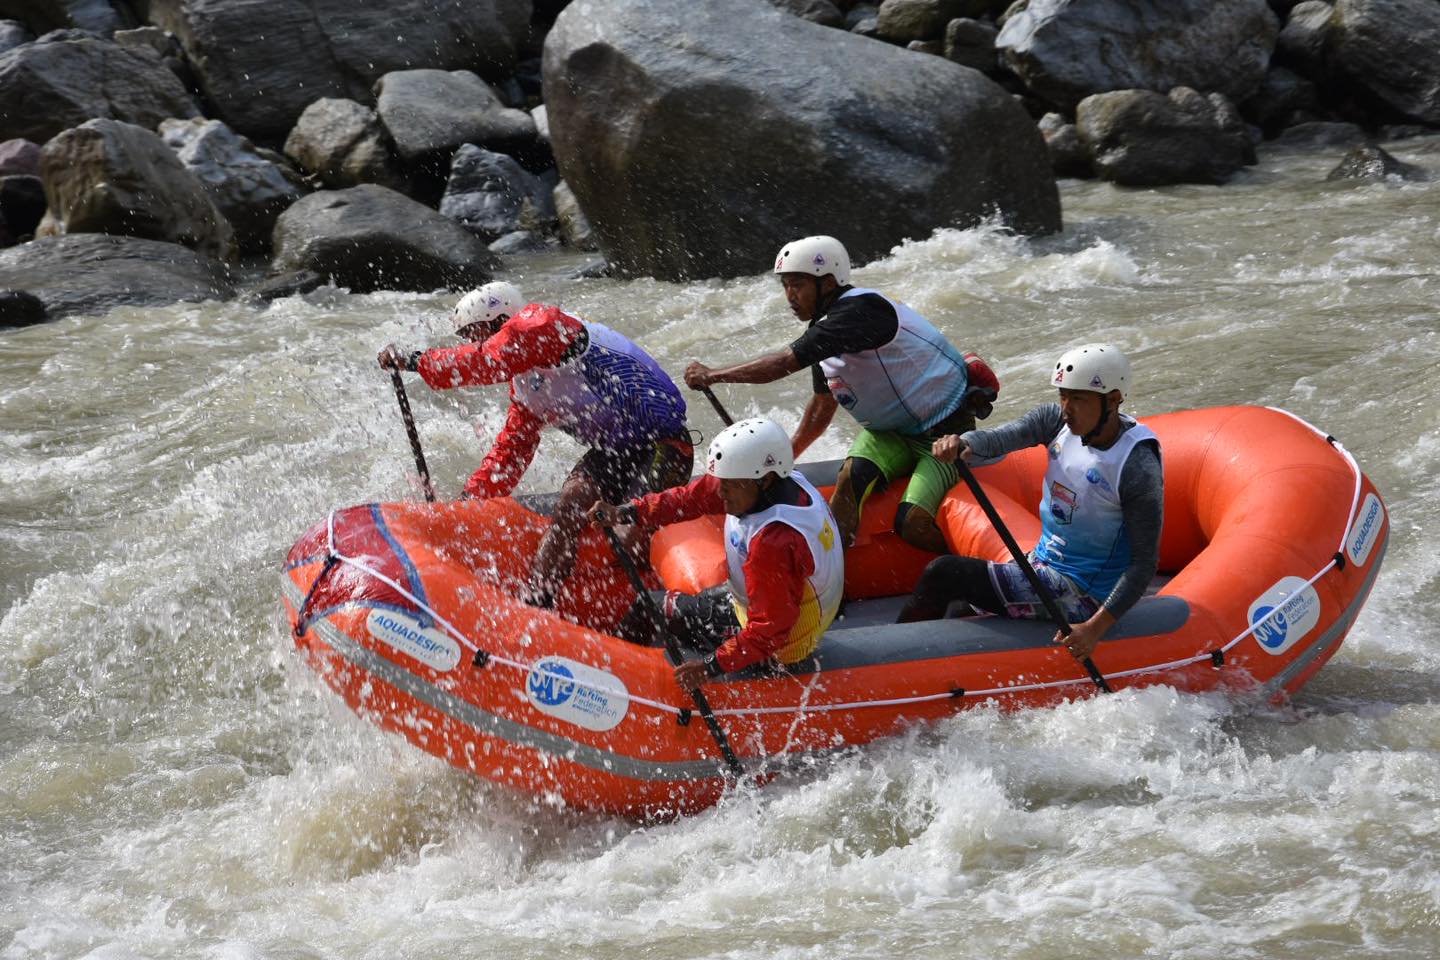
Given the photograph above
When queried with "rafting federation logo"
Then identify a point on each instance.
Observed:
(576, 693)
(404, 633)
(1284, 614)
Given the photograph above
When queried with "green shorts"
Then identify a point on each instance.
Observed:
(898, 454)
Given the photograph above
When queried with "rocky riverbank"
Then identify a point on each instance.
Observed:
(159, 150)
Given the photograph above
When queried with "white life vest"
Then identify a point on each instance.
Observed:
(908, 385)
(1082, 526)
(610, 394)
(823, 589)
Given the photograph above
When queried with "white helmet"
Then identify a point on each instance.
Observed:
(750, 449)
(818, 256)
(488, 303)
(1097, 367)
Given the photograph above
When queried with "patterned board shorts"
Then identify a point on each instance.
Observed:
(1022, 602)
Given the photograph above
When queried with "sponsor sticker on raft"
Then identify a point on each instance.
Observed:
(577, 693)
(1365, 531)
(1284, 614)
(404, 633)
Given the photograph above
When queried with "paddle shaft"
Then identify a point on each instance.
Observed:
(1046, 597)
(719, 407)
(672, 647)
(414, 434)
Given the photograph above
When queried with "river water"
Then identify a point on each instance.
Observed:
(173, 783)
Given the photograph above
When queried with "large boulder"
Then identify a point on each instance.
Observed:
(51, 85)
(1301, 43)
(971, 43)
(822, 12)
(430, 113)
(1142, 138)
(106, 176)
(1391, 50)
(261, 62)
(1065, 50)
(903, 21)
(342, 143)
(700, 137)
(248, 188)
(491, 195)
(371, 238)
(90, 273)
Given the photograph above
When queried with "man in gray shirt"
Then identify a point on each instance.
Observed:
(1100, 512)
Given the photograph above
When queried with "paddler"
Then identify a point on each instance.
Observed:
(577, 376)
(787, 570)
(1100, 510)
(897, 375)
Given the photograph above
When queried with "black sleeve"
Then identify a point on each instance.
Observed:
(822, 386)
(853, 324)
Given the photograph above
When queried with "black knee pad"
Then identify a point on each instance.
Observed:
(863, 476)
(901, 512)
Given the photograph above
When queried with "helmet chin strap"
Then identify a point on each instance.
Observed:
(1094, 432)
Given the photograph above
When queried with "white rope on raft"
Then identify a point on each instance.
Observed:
(864, 704)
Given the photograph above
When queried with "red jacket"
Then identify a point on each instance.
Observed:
(775, 572)
(537, 336)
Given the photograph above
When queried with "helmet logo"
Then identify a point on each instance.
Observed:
(770, 460)
(1097, 383)
(819, 260)
(1059, 376)
(492, 301)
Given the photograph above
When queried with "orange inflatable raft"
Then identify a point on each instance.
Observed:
(1273, 538)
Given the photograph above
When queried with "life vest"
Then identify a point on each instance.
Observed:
(823, 589)
(1082, 527)
(611, 393)
(908, 385)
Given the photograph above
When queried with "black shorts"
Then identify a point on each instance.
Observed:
(632, 471)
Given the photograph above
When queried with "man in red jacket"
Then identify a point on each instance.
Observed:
(580, 377)
(787, 571)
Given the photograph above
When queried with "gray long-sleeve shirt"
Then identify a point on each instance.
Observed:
(1142, 493)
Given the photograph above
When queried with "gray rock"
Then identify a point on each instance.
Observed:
(1404, 131)
(822, 12)
(22, 203)
(1391, 50)
(19, 157)
(862, 11)
(1301, 44)
(1066, 50)
(262, 62)
(1141, 138)
(575, 229)
(487, 192)
(343, 144)
(541, 116)
(91, 273)
(521, 241)
(901, 21)
(1282, 99)
(49, 87)
(1068, 156)
(1370, 163)
(19, 308)
(290, 284)
(1322, 134)
(971, 43)
(370, 238)
(12, 34)
(106, 176)
(667, 124)
(250, 190)
(935, 48)
(864, 27)
(429, 113)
